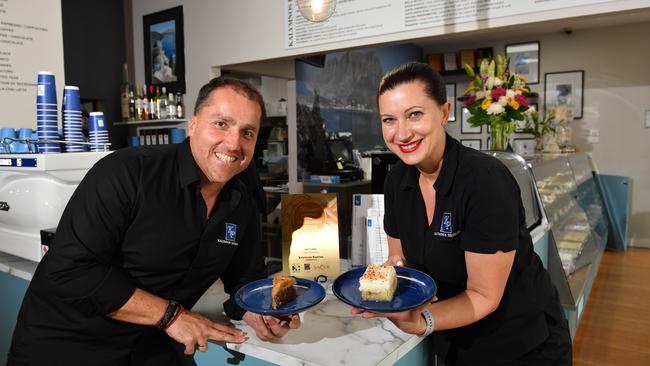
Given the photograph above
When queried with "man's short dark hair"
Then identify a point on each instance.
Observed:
(237, 85)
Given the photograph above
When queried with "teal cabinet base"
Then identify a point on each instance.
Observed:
(13, 291)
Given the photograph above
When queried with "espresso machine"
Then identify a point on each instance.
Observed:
(34, 190)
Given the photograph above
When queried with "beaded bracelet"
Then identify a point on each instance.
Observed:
(170, 312)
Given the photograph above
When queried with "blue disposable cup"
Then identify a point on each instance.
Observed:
(6, 146)
(71, 99)
(46, 88)
(96, 122)
(24, 134)
(177, 135)
(33, 147)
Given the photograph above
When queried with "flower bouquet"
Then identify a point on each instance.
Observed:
(496, 98)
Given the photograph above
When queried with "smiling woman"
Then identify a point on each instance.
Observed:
(456, 214)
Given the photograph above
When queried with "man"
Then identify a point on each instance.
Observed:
(147, 231)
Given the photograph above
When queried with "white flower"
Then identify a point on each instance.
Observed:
(503, 100)
(510, 93)
(480, 95)
(495, 108)
(530, 110)
(563, 115)
(497, 81)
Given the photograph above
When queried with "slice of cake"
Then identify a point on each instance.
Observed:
(282, 291)
(378, 283)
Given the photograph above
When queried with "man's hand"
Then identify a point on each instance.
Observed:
(268, 327)
(194, 330)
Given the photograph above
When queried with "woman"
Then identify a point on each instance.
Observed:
(495, 304)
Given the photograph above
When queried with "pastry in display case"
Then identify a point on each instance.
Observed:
(578, 225)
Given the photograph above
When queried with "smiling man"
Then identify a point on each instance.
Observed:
(145, 234)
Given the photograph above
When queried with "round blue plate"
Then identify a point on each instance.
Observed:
(414, 288)
(256, 297)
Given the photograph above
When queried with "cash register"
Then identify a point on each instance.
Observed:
(339, 161)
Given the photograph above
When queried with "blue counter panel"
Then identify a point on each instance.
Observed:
(13, 290)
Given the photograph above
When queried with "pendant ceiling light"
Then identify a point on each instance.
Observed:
(316, 10)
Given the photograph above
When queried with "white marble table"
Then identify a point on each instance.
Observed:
(329, 335)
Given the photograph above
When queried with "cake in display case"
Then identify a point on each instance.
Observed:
(578, 225)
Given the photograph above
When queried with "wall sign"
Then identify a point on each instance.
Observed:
(31, 40)
(355, 19)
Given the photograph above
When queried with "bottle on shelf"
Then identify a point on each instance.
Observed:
(138, 103)
(180, 107)
(152, 103)
(131, 106)
(171, 106)
(145, 103)
(162, 104)
(125, 93)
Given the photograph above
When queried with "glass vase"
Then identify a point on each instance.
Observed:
(499, 136)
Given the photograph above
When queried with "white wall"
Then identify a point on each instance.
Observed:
(224, 32)
(616, 62)
(615, 59)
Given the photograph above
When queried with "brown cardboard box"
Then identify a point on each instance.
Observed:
(435, 60)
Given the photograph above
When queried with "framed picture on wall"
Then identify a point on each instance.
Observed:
(564, 89)
(451, 98)
(473, 143)
(164, 58)
(465, 127)
(524, 60)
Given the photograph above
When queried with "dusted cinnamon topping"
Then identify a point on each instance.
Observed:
(376, 272)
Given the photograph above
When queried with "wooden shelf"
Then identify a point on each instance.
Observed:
(150, 122)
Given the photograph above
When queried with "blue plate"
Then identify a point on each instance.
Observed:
(256, 297)
(414, 288)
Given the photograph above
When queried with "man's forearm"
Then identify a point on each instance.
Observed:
(142, 308)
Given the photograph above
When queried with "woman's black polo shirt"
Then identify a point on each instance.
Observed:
(478, 209)
(137, 219)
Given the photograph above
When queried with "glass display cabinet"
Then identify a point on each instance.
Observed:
(578, 226)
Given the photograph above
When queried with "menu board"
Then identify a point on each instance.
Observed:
(31, 40)
(355, 19)
(310, 235)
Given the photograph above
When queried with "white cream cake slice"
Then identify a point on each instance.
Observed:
(378, 283)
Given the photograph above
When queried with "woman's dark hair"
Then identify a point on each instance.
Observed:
(415, 71)
(237, 85)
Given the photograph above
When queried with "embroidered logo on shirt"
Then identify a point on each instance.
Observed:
(445, 226)
(231, 232)
(231, 235)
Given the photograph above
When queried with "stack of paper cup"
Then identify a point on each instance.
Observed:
(97, 132)
(46, 113)
(72, 125)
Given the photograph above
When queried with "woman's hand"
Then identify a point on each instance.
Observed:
(410, 321)
(194, 330)
(395, 254)
(396, 260)
(268, 327)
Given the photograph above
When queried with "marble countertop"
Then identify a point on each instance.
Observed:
(329, 335)
(19, 267)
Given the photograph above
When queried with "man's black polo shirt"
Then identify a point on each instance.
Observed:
(478, 209)
(137, 219)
